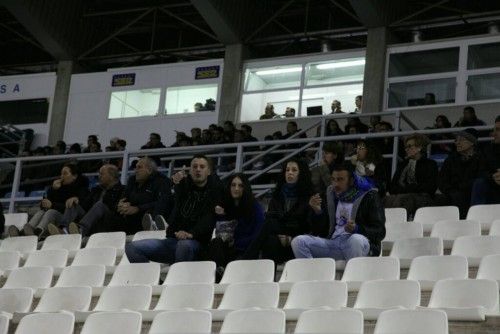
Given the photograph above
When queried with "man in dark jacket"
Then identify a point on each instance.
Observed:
(355, 219)
(191, 222)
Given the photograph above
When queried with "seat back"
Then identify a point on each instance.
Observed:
(452, 229)
(131, 297)
(65, 298)
(484, 213)
(254, 321)
(475, 247)
(429, 215)
(9, 260)
(92, 256)
(388, 293)
(191, 272)
(361, 269)
(489, 268)
(395, 215)
(245, 295)
(16, 300)
(196, 296)
(412, 247)
(136, 273)
(182, 322)
(107, 239)
(89, 275)
(25, 245)
(113, 322)
(248, 271)
(298, 270)
(313, 294)
(30, 277)
(437, 267)
(397, 230)
(16, 219)
(4, 324)
(47, 323)
(55, 258)
(347, 321)
(420, 321)
(495, 227)
(69, 242)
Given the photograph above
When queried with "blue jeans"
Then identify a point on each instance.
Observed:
(342, 247)
(483, 192)
(168, 250)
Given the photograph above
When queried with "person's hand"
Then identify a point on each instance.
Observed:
(285, 240)
(130, 210)
(219, 210)
(350, 226)
(179, 175)
(46, 204)
(183, 235)
(369, 172)
(496, 177)
(72, 201)
(315, 203)
(57, 184)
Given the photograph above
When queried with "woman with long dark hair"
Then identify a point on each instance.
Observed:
(239, 220)
(287, 213)
(370, 171)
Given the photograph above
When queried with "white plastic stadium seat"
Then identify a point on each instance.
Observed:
(23, 245)
(495, 227)
(245, 295)
(396, 215)
(315, 294)
(346, 321)
(15, 300)
(76, 298)
(88, 275)
(489, 268)
(485, 214)
(299, 270)
(136, 273)
(113, 323)
(4, 324)
(92, 256)
(429, 215)
(55, 258)
(131, 297)
(9, 260)
(362, 269)
(142, 235)
(182, 322)
(377, 296)
(191, 272)
(242, 271)
(475, 248)
(430, 269)
(466, 300)
(449, 230)
(29, 277)
(254, 321)
(69, 242)
(108, 239)
(395, 231)
(415, 321)
(408, 249)
(16, 219)
(47, 323)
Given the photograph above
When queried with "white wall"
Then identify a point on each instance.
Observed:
(90, 96)
(31, 86)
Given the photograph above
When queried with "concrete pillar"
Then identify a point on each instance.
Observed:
(60, 103)
(231, 81)
(373, 83)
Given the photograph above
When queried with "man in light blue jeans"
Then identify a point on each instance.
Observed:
(355, 218)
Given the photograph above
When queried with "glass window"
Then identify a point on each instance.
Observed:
(253, 105)
(337, 71)
(313, 98)
(134, 103)
(483, 56)
(423, 62)
(483, 87)
(272, 77)
(187, 99)
(419, 93)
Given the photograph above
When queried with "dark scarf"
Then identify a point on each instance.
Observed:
(350, 195)
(290, 193)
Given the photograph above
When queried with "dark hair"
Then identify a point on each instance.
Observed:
(156, 135)
(336, 148)
(497, 119)
(329, 132)
(344, 166)
(93, 137)
(247, 127)
(76, 148)
(359, 97)
(444, 119)
(420, 140)
(73, 168)
(373, 155)
(304, 184)
(470, 109)
(121, 142)
(246, 203)
(207, 159)
(293, 123)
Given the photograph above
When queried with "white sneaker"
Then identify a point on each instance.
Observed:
(148, 224)
(161, 223)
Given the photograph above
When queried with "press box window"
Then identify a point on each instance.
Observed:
(276, 77)
(423, 62)
(188, 99)
(134, 103)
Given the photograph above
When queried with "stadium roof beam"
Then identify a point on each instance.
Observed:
(217, 21)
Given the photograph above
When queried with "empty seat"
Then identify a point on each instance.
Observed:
(420, 321)
(65, 298)
(245, 295)
(346, 321)
(195, 296)
(182, 322)
(47, 323)
(89, 275)
(466, 300)
(449, 230)
(132, 297)
(299, 270)
(489, 268)
(15, 300)
(30, 277)
(16, 219)
(92, 256)
(23, 245)
(495, 227)
(113, 323)
(408, 249)
(430, 269)
(395, 231)
(395, 215)
(136, 273)
(377, 296)
(4, 324)
(69, 242)
(142, 235)
(55, 258)
(315, 294)
(361, 269)
(9, 260)
(254, 321)
(191, 272)
(429, 215)
(246, 271)
(108, 239)
(485, 214)
(474, 248)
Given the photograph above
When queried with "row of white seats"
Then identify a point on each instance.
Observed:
(249, 321)
(461, 299)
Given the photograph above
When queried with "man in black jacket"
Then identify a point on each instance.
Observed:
(191, 222)
(355, 219)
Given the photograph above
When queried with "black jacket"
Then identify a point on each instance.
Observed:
(426, 174)
(492, 163)
(458, 175)
(194, 209)
(110, 198)
(79, 188)
(292, 222)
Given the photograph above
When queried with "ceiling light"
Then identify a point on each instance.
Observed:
(341, 64)
(279, 71)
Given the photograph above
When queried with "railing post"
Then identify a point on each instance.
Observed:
(239, 158)
(15, 185)
(125, 161)
(321, 143)
(395, 143)
(170, 168)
